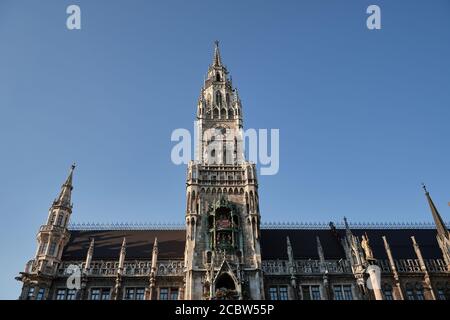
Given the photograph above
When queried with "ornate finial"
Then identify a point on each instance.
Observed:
(346, 223)
(74, 165)
(424, 187)
(217, 61)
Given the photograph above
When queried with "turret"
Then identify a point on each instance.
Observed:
(443, 235)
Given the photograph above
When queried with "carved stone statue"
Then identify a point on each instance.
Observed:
(366, 247)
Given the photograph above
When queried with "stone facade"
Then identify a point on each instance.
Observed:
(223, 252)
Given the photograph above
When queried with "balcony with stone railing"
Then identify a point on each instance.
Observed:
(304, 267)
(49, 228)
(413, 265)
(33, 267)
(137, 268)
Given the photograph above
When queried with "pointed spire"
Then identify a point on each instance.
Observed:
(289, 249)
(236, 95)
(440, 225)
(64, 198)
(320, 250)
(155, 252)
(89, 255)
(217, 62)
(348, 232)
(122, 255)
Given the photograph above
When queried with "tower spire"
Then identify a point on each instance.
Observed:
(440, 225)
(64, 198)
(217, 60)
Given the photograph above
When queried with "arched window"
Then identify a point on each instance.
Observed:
(213, 153)
(247, 206)
(230, 114)
(236, 220)
(224, 281)
(216, 113)
(60, 217)
(52, 218)
(193, 202)
(52, 248)
(217, 76)
(252, 201)
(228, 99)
(223, 113)
(65, 221)
(218, 98)
(188, 201)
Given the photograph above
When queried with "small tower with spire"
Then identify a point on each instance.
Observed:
(53, 235)
(51, 240)
(443, 235)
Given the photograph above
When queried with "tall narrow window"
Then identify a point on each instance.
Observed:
(311, 293)
(52, 218)
(52, 248)
(41, 293)
(218, 98)
(60, 217)
(129, 294)
(30, 293)
(338, 293)
(173, 294)
(95, 294)
(71, 294)
(315, 293)
(61, 294)
(140, 293)
(163, 294)
(410, 294)
(348, 292)
(278, 293)
(273, 293)
(388, 294)
(419, 294)
(106, 294)
(283, 291)
(43, 248)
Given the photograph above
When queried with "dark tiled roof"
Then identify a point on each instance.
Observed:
(304, 245)
(139, 244)
(273, 243)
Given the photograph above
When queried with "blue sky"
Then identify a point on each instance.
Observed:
(363, 115)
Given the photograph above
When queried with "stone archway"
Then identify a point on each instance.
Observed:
(225, 287)
(224, 281)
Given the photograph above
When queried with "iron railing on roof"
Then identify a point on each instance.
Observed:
(352, 225)
(125, 226)
(264, 226)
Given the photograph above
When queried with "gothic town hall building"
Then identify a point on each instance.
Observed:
(223, 251)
